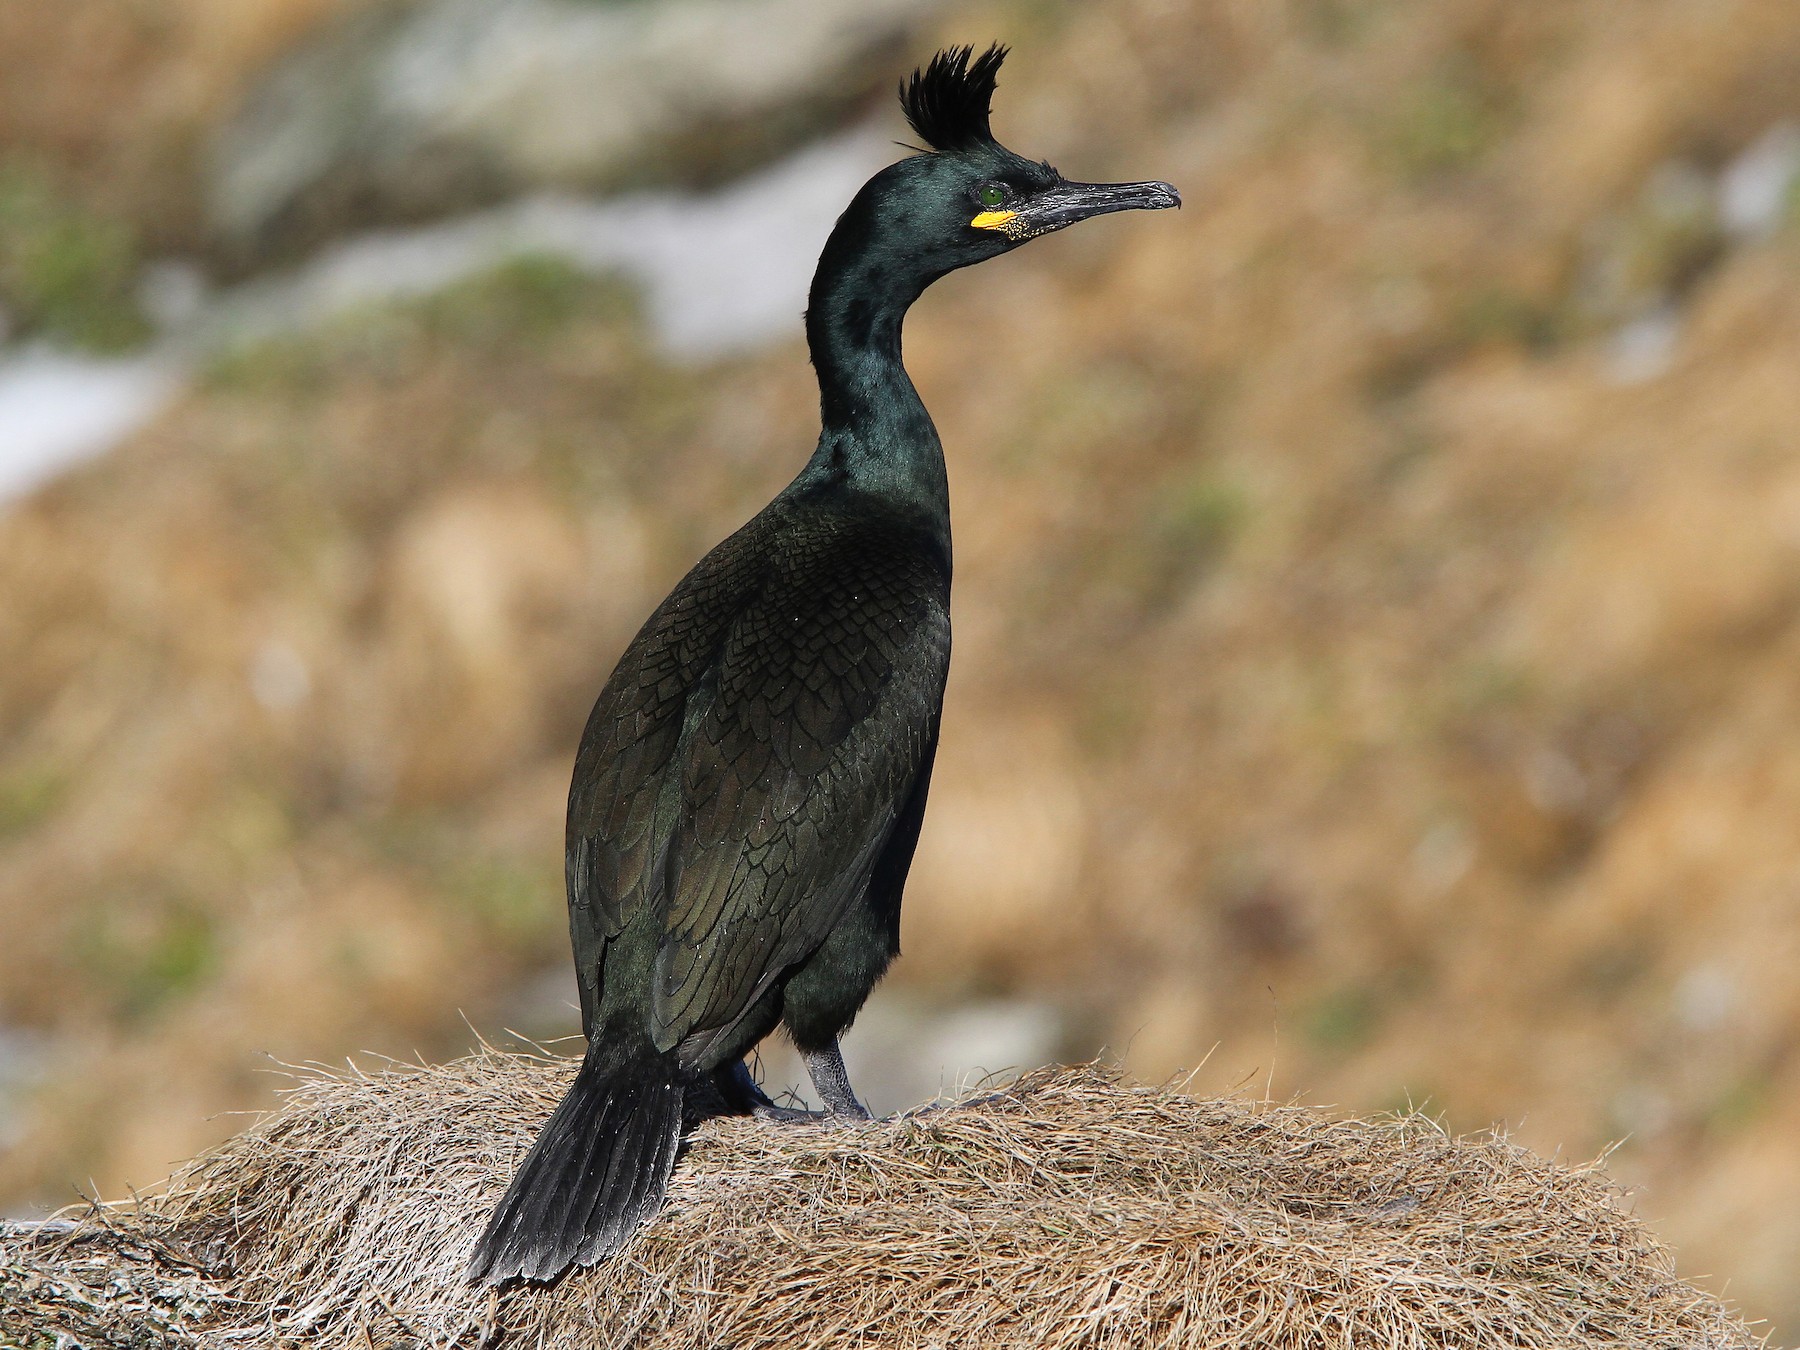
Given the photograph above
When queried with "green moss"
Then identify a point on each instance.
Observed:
(1485, 685)
(182, 956)
(1741, 1104)
(1190, 530)
(526, 302)
(1440, 124)
(254, 824)
(1790, 204)
(66, 273)
(28, 793)
(1343, 1020)
(292, 363)
(143, 961)
(1339, 23)
(531, 297)
(1497, 314)
(515, 899)
(1204, 517)
(516, 902)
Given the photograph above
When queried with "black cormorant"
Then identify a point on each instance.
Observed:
(750, 784)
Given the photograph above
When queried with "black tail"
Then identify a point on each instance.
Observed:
(597, 1171)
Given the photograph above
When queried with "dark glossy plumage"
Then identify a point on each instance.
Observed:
(747, 763)
(750, 786)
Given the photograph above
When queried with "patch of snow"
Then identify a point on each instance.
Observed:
(1443, 857)
(1644, 349)
(721, 272)
(172, 292)
(59, 408)
(1705, 998)
(280, 679)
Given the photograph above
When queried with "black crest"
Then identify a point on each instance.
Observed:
(947, 102)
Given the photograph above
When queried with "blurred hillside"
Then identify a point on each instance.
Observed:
(1378, 597)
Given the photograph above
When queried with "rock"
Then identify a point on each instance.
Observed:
(408, 111)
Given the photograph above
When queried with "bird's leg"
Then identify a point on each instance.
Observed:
(826, 1069)
(739, 1090)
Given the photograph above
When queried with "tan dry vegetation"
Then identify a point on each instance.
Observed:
(117, 98)
(1070, 1209)
(1355, 679)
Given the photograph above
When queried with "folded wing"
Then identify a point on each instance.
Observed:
(804, 751)
(749, 758)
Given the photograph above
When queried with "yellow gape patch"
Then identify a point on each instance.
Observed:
(993, 220)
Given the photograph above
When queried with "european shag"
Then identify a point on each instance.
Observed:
(749, 787)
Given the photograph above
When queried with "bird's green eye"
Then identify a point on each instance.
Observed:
(992, 194)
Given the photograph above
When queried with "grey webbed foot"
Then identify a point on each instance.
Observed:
(789, 1115)
(742, 1095)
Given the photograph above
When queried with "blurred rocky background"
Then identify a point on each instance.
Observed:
(1378, 612)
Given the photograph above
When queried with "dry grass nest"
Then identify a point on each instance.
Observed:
(1070, 1209)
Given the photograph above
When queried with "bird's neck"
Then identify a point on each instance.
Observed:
(876, 436)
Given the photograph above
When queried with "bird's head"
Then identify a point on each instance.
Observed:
(968, 198)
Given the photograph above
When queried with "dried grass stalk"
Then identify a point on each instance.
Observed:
(1071, 1209)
